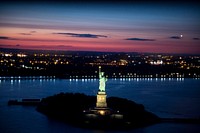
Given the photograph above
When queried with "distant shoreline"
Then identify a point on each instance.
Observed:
(84, 65)
(89, 78)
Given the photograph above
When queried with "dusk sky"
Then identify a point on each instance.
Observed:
(101, 26)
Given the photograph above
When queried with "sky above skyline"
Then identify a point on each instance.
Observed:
(100, 26)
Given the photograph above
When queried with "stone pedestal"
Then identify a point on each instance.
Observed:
(101, 100)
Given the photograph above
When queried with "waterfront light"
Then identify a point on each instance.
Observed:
(102, 112)
(11, 81)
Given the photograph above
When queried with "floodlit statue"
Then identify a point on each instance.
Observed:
(102, 80)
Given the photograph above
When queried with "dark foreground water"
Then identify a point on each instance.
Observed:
(179, 98)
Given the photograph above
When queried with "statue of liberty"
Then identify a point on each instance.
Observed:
(102, 80)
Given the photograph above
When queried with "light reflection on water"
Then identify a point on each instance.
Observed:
(147, 91)
(166, 97)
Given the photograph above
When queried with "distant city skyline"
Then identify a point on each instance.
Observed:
(169, 27)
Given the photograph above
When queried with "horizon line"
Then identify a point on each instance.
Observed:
(27, 49)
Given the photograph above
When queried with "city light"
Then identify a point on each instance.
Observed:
(118, 65)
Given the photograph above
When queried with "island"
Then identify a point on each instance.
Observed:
(72, 108)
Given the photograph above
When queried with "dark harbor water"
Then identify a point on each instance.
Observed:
(174, 98)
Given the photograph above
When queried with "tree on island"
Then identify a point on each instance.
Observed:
(69, 107)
